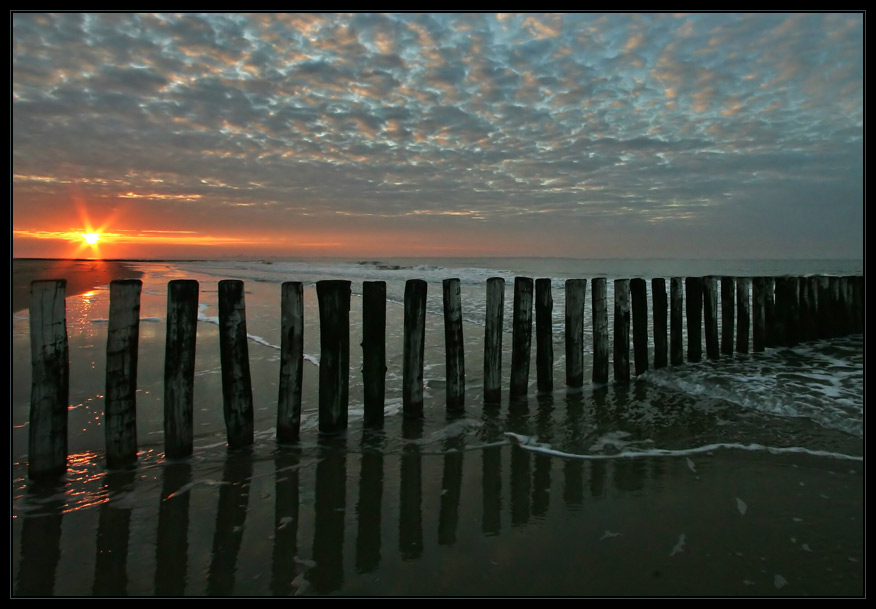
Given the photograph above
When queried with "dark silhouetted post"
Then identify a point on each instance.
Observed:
(454, 349)
(576, 292)
(676, 334)
(414, 347)
(600, 331)
(743, 285)
(825, 308)
(374, 350)
(693, 287)
(769, 312)
(544, 347)
(179, 367)
(234, 355)
(521, 336)
(493, 318)
(792, 327)
(621, 330)
(123, 333)
(50, 379)
(334, 354)
(728, 314)
(758, 307)
(659, 304)
(291, 361)
(781, 311)
(710, 305)
(639, 300)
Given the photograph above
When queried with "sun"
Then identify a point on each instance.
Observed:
(91, 238)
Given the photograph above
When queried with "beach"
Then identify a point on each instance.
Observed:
(81, 276)
(739, 478)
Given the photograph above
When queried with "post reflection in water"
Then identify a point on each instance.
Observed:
(410, 520)
(230, 520)
(541, 478)
(521, 476)
(286, 506)
(113, 531)
(573, 469)
(41, 540)
(327, 575)
(369, 505)
(451, 487)
(171, 549)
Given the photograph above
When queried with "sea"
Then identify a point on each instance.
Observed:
(740, 476)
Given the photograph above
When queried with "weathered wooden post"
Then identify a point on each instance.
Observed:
(848, 309)
(600, 331)
(826, 325)
(769, 312)
(521, 336)
(676, 334)
(758, 305)
(334, 354)
(123, 332)
(781, 312)
(621, 330)
(808, 292)
(858, 302)
(454, 348)
(710, 305)
(414, 347)
(792, 327)
(179, 367)
(291, 361)
(728, 314)
(50, 379)
(742, 328)
(639, 300)
(659, 304)
(544, 347)
(493, 318)
(234, 356)
(374, 350)
(693, 287)
(576, 292)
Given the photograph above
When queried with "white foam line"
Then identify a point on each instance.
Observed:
(528, 443)
(313, 359)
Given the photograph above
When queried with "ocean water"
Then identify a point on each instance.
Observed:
(739, 476)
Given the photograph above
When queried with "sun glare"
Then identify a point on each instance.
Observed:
(91, 238)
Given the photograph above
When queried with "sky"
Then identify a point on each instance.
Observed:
(586, 135)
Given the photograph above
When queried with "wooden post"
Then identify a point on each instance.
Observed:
(693, 287)
(792, 325)
(676, 334)
(544, 347)
(808, 292)
(454, 348)
(848, 308)
(826, 325)
(576, 292)
(414, 347)
(710, 302)
(120, 412)
(600, 331)
(858, 303)
(493, 318)
(234, 355)
(374, 350)
(639, 300)
(291, 361)
(521, 336)
(50, 379)
(781, 311)
(334, 354)
(179, 367)
(742, 287)
(659, 305)
(621, 330)
(758, 305)
(769, 312)
(728, 314)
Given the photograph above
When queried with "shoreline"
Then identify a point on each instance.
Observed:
(81, 275)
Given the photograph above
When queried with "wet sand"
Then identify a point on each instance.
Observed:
(81, 275)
